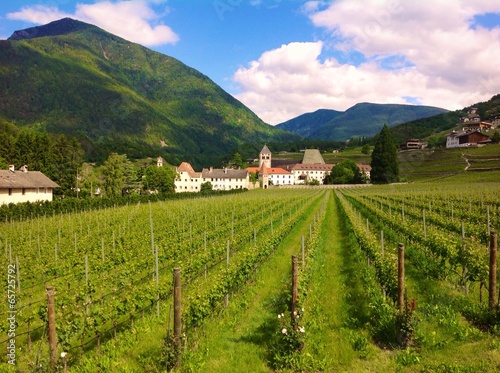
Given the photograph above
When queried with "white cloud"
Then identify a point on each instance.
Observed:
(411, 50)
(133, 20)
(38, 14)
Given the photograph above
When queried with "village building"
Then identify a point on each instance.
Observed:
(495, 121)
(365, 170)
(18, 186)
(225, 178)
(312, 168)
(188, 180)
(459, 139)
(478, 126)
(413, 144)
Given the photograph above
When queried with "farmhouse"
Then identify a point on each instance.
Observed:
(413, 144)
(25, 186)
(459, 139)
(478, 126)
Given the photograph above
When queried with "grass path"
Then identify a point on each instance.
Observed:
(239, 339)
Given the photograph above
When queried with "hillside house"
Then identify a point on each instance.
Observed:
(19, 186)
(459, 139)
(478, 126)
(495, 121)
(413, 144)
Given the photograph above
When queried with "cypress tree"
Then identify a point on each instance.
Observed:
(384, 159)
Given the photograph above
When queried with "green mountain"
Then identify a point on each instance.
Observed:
(75, 78)
(361, 120)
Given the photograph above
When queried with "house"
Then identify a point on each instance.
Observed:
(495, 121)
(413, 144)
(459, 139)
(365, 170)
(478, 126)
(305, 173)
(25, 186)
(188, 180)
(225, 178)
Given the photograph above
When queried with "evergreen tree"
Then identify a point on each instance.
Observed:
(384, 159)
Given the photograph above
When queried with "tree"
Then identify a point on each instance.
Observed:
(160, 179)
(206, 187)
(346, 172)
(88, 182)
(117, 172)
(384, 159)
(236, 162)
(365, 149)
(495, 137)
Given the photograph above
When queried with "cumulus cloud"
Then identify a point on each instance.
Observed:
(38, 14)
(411, 52)
(133, 20)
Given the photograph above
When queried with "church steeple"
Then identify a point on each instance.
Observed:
(265, 157)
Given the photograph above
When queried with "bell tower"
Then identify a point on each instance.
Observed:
(265, 157)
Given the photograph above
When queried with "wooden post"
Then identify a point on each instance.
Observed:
(382, 243)
(52, 326)
(493, 270)
(425, 227)
(401, 276)
(157, 282)
(226, 297)
(205, 247)
(294, 290)
(177, 309)
(303, 249)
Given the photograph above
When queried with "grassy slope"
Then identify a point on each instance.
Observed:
(425, 165)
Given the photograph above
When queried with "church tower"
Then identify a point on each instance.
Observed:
(265, 157)
(264, 165)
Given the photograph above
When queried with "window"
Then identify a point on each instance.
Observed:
(10, 191)
(24, 191)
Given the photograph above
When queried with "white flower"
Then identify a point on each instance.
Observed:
(63, 354)
(294, 313)
(302, 329)
(282, 315)
(302, 309)
(283, 330)
(279, 316)
(297, 316)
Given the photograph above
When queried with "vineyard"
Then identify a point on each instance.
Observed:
(287, 280)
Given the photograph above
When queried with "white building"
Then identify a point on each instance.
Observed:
(188, 180)
(25, 186)
(305, 173)
(225, 178)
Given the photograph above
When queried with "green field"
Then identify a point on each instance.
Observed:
(112, 270)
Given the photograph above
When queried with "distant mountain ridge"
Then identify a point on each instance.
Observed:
(361, 120)
(74, 78)
(61, 27)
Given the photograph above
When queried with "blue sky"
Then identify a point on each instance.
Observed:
(283, 58)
